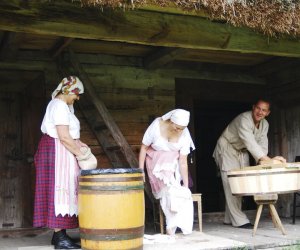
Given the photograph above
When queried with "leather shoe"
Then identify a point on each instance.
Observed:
(246, 226)
(75, 240)
(61, 240)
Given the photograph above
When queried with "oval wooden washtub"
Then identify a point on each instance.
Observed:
(265, 179)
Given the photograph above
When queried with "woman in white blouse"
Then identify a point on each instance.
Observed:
(165, 147)
(57, 169)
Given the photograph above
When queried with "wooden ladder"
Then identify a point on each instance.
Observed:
(102, 124)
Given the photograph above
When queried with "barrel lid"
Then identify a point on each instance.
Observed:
(111, 171)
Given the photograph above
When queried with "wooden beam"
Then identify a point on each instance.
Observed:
(284, 76)
(206, 72)
(9, 46)
(172, 9)
(107, 118)
(27, 65)
(202, 90)
(286, 95)
(92, 66)
(69, 19)
(59, 46)
(162, 57)
(275, 65)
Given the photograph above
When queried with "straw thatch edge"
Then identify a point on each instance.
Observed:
(271, 17)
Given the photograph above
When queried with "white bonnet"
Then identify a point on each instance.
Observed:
(180, 117)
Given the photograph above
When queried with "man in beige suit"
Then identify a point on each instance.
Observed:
(246, 133)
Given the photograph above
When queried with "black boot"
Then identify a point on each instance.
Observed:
(52, 240)
(75, 240)
(60, 240)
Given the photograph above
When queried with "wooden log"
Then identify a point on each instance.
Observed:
(70, 19)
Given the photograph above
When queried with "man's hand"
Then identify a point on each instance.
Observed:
(275, 160)
(279, 158)
(264, 159)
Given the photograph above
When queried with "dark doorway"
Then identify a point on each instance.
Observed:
(210, 119)
(213, 104)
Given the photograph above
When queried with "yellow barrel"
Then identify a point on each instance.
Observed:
(111, 209)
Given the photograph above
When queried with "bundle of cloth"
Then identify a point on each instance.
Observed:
(87, 161)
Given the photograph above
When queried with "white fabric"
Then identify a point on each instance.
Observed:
(59, 113)
(66, 181)
(177, 205)
(153, 137)
(172, 168)
(158, 238)
(88, 161)
(180, 117)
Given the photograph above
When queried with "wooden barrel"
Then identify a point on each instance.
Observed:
(111, 209)
(263, 180)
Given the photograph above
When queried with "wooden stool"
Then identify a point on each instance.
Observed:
(196, 198)
(269, 200)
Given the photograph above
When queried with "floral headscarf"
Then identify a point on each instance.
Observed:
(70, 85)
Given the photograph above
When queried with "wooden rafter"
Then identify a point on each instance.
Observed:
(162, 57)
(59, 46)
(205, 72)
(69, 19)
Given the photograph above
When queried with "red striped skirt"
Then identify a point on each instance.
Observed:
(44, 210)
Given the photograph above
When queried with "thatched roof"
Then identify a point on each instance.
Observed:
(271, 17)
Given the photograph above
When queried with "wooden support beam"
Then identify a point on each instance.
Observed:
(41, 62)
(275, 65)
(69, 19)
(110, 123)
(162, 57)
(27, 65)
(59, 46)
(9, 46)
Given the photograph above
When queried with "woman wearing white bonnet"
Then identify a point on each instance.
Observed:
(165, 147)
(180, 117)
(57, 168)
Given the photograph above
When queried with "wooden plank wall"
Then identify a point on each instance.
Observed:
(20, 117)
(10, 163)
(133, 94)
(284, 88)
(284, 134)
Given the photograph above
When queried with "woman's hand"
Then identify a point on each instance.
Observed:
(82, 144)
(142, 158)
(183, 167)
